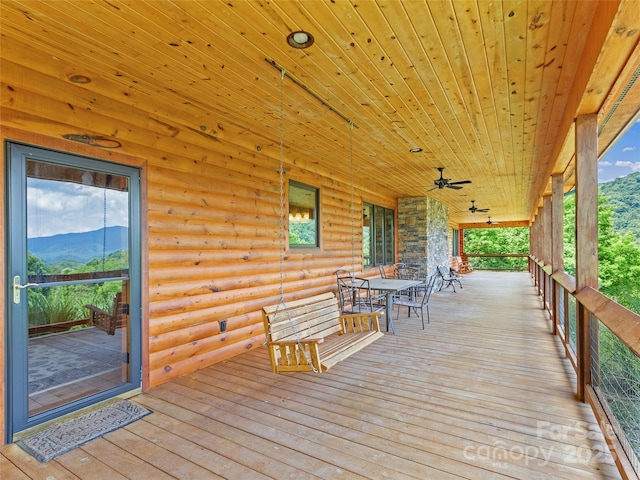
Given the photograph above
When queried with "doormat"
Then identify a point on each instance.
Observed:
(58, 439)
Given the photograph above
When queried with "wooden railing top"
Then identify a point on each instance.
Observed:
(72, 277)
(496, 255)
(624, 323)
(565, 280)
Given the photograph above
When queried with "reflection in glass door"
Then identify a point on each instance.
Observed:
(74, 334)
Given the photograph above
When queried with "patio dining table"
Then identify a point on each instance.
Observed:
(391, 286)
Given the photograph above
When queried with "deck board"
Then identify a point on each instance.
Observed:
(483, 392)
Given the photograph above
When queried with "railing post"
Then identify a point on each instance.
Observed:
(557, 238)
(547, 252)
(586, 224)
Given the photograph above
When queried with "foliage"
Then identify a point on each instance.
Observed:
(498, 241)
(618, 255)
(36, 266)
(52, 305)
(303, 233)
(67, 302)
(618, 271)
(569, 228)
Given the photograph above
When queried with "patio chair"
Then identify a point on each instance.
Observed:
(383, 272)
(343, 273)
(462, 266)
(405, 272)
(355, 296)
(446, 277)
(417, 300)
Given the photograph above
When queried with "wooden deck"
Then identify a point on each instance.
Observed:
(483, 392)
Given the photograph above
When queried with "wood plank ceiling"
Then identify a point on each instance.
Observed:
(487, 89)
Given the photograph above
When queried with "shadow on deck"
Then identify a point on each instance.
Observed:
(483, 392)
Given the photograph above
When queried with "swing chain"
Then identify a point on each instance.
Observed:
(353, 248)
(281, 174)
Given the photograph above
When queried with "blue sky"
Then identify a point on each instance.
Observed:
(63, 207)
(622, 158)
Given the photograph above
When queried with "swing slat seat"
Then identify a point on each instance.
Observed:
(106, 321)
(310, 334)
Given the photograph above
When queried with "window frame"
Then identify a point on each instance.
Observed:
(315, 217)
(381, 225)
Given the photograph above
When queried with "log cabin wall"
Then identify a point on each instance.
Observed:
(214, 254)
(211, 215)
(213, 251)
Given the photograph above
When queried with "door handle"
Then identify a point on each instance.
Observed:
(17, 287)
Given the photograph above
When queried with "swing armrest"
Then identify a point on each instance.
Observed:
(302, 340)
(97, 310)
(360, 322)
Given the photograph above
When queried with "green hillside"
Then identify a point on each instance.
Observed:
(624, 195)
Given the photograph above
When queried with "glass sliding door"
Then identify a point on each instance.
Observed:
(74, 283)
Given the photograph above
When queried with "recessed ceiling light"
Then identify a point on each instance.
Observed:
(415, 150)
(300, 39)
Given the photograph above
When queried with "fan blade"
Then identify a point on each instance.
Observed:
(455, 187)
(460, 183)
(483, 210)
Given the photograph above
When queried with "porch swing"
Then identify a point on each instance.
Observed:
(310, 334)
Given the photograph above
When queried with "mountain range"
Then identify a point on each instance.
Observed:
(81, 247)
(624, 195)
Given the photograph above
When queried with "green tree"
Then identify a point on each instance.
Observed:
(618, 255)
(623, 194)
(303, 233)
(498, 241)
(35, 265)
(618, 273)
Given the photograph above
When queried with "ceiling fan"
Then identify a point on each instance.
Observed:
(475, 209)
(445, 183)
(489, 222)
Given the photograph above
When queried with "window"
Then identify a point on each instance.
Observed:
(303, 215)
(377, 235)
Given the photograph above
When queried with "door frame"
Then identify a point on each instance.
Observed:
(15, 191)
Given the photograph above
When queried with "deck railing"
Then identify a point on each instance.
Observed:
(602, 340)
(505, 262)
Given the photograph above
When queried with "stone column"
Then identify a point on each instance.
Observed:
(423, 233)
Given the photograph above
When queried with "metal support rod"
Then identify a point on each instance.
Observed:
(306, 89)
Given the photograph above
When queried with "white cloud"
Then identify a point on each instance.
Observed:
(604, 163)
(634, 166)
(55, 207)
(628, 149)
